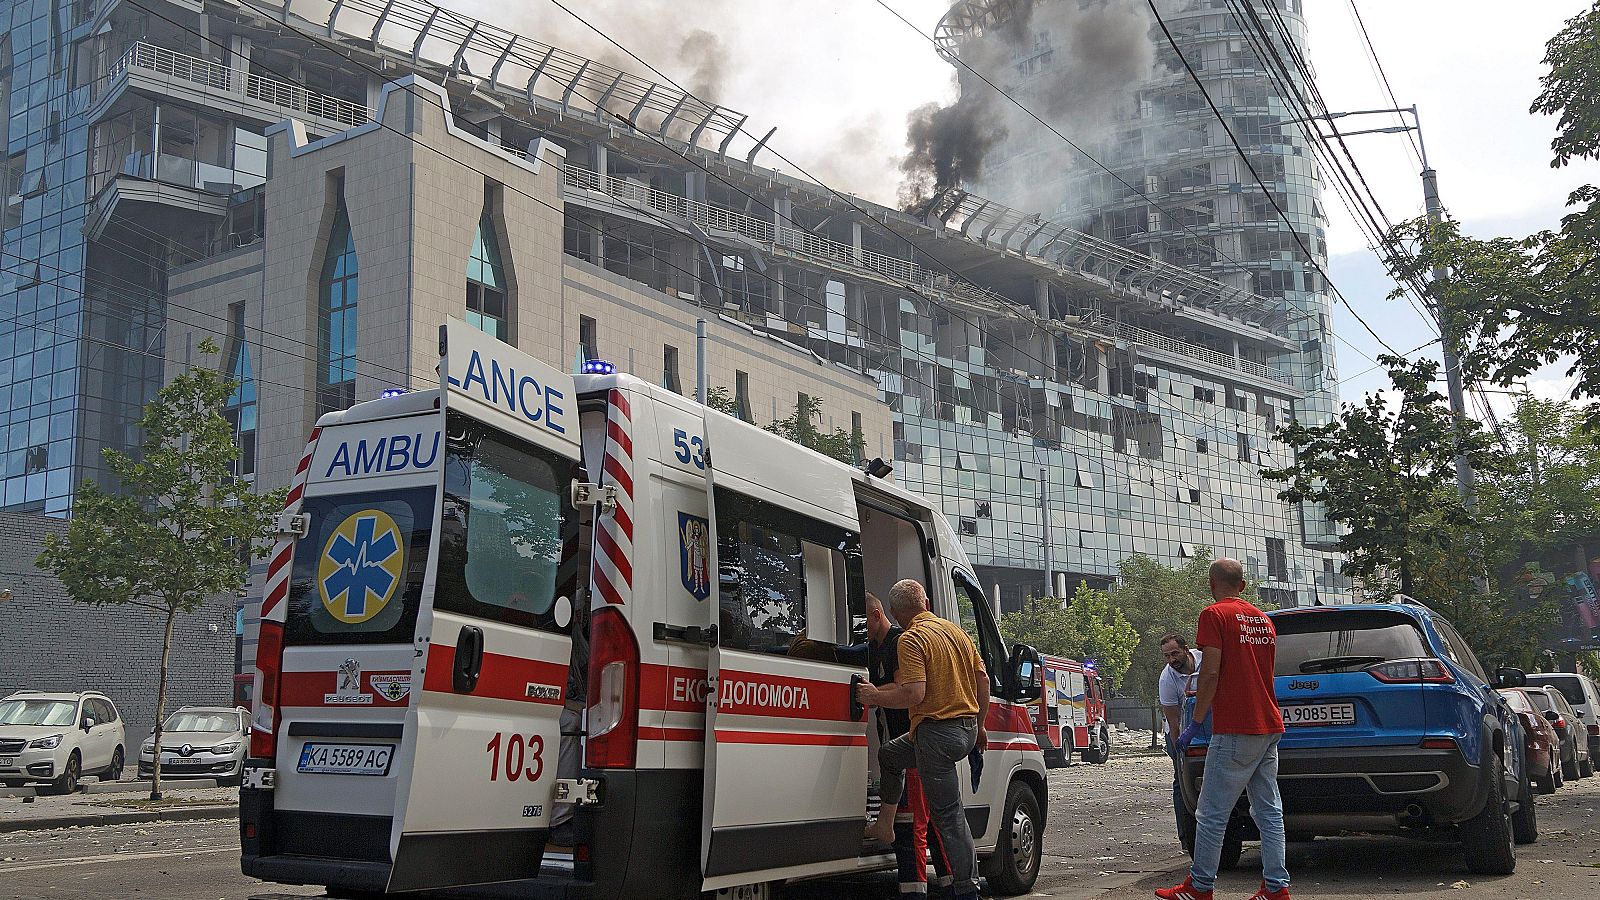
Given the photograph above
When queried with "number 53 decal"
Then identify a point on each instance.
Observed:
(689, 448)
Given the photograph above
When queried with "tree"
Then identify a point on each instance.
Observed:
(1387, 475)
(1518, 304)
(801, 427)
(1158, 600)
(180, 528)
(722, 400)
(1086, 627)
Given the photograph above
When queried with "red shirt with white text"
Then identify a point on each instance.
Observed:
(1245, 701)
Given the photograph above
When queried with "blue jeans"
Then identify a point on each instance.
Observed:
(1235, 763)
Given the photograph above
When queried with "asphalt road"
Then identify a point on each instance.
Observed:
(1110, 835)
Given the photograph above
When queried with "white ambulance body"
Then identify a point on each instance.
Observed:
(416, 644)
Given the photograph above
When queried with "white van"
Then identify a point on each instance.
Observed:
(415, 647)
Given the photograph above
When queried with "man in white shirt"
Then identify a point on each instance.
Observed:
(1177, 682)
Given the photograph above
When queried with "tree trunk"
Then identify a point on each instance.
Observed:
(161, 703)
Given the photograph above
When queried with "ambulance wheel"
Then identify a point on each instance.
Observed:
(1014, 867)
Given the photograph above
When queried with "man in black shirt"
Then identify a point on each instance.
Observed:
(911, 830)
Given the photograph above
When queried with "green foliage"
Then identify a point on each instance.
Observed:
(1158, 600)
(1518, 304)
(1387, 475)
(180, 528)
(801, 427)
(1087, 627)
(722, 400)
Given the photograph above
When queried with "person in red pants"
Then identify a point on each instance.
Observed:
(911, 831)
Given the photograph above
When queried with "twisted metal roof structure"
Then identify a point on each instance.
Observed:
(512, 65)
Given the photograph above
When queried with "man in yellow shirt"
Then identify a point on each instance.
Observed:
(943, 682)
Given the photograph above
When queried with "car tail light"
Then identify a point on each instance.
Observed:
(1411, 671)
(1196, 751)
(613, 692)
(1594, 729)
(1560, 722)
(269, 666)
(1438, 743)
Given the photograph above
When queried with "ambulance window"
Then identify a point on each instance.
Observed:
(506, 527)
(358, 573)
(975, 619)
(781, 577)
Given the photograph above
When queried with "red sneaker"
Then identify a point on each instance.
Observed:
(1185, 891)
(1263, 894)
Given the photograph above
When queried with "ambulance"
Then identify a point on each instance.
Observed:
(1069, 715)
(439, 550)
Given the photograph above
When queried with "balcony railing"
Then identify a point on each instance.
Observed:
(796, 241)
(843, 256)
(159, 61)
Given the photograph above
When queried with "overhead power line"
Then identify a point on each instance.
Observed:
(1298, 238)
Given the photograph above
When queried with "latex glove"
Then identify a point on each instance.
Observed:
(1187, 736)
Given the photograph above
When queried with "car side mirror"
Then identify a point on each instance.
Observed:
(1027, 673)
(87, 723)
(1551, 715)
(1510, 677)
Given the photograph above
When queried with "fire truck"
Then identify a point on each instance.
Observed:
(1069, 714)
(441, 551)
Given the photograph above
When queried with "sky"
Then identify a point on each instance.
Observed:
(839, 77)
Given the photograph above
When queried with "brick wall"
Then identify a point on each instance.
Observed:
(49, 642)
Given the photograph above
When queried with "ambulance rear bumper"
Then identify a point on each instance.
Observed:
(643, 843)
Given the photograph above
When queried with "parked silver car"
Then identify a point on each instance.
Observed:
(200, 742)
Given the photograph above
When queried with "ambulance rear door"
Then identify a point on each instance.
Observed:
(786, 747)
(492, 645)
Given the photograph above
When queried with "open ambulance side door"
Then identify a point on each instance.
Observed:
(492, 646)
(786, 745)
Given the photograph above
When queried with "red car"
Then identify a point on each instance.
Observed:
(1542, 743)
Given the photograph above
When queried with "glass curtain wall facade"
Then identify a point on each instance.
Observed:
(1180, 193)
(1063, 420)
(43, 333)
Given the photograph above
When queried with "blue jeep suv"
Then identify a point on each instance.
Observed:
(1391, 724)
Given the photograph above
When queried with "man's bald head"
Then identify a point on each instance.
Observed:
(1227, 578)
(906, 599)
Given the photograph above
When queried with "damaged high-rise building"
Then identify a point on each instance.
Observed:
(1154, 168)
(317, 184)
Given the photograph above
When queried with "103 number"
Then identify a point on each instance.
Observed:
(523, 757)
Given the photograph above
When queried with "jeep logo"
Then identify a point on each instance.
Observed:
(1303, 685)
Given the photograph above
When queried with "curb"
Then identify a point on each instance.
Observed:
(122, 818)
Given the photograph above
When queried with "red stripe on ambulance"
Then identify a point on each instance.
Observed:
(501, 677)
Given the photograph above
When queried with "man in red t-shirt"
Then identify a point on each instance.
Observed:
(1238, 647)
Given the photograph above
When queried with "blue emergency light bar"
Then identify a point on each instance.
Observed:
(390, 393)
(598, 367)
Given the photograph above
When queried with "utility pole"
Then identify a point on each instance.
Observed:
(1449, 334)
(1449, 340)
(700, 361)
(1044, 517)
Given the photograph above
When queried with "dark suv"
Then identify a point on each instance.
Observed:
(1391, 724)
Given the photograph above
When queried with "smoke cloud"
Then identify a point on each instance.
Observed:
(1076, 64)
(657, 30)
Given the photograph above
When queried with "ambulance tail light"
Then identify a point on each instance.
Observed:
(613, 692)
(269, 667)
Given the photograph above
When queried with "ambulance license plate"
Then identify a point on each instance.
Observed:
(345, 759)
(1319, 714)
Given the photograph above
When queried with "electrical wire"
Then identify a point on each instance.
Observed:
(1254, 174)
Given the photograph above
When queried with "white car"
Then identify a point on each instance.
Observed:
(56, 738)
(200, 742)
